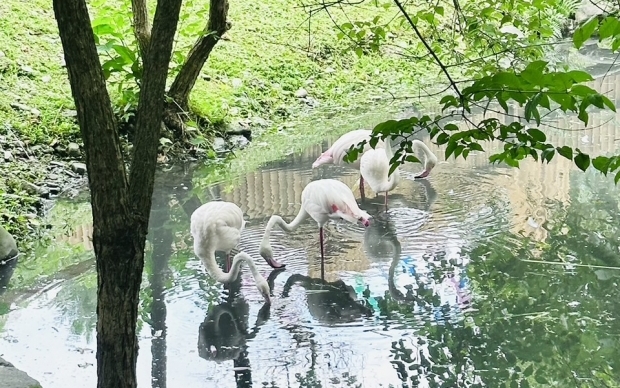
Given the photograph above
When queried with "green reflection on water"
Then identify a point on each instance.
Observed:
(531, 324)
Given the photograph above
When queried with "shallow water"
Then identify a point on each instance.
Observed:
(478, 276)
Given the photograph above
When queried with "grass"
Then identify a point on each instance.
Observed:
(272, 51)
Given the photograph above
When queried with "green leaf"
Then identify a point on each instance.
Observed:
(450, 149)
(579, 76)
(601, 163)
(608, 27)
(359, 52)
(617, 177)
(443, 138)
(582, 161)
(528, 371)
(475, 147)
(537, 134)
(566, 152)
(584, 32)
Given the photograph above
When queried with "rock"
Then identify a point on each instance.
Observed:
(238, 141)
(11, 377)
(69, 113)
(73, 149)
(329, 70)
(8, 156)
(61, 150)
(236, 83)
(35, 112)
(78, 168)
(219, 144)
(301, 93)
(8, 246)
(25, 71)
(20, 106)
(33, 189)
(46, 78)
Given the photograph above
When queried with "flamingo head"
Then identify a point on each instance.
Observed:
(429, 164)
(325, 158)
(364, 218)
(263, 288)
(267, 254)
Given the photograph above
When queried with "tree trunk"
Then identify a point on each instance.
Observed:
(198, 55)
(120, 210)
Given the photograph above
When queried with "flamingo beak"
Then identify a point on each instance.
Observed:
(273, 263)
(424, 174)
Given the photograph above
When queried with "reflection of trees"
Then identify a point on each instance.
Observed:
(533, 324)
(225, 331)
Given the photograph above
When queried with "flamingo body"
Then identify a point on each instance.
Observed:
(229, 217)
(375, 168)
(321, 200)
(217, 226)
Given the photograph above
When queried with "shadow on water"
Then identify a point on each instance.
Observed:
(480, 276)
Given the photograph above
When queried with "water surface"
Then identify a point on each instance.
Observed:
(478, 276)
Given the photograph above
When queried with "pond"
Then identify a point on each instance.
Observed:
(479, 275)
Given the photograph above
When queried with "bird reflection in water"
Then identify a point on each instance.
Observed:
(329, 302)
(224, 333)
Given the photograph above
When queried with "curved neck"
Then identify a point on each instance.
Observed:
(223, 277)
(428, 154)
(277, 220)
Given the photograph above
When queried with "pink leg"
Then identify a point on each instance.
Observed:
(322, 253)
(386, 196)
(228, 263)
(362, 187)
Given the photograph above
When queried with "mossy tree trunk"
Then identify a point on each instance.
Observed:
(120, 204)
(186, 78)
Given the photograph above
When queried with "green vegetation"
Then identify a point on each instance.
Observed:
(252, 77)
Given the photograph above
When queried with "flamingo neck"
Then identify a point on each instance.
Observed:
(206, 252)
(428, 154)
(277, 220)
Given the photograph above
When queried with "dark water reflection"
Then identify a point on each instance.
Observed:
(481, 276)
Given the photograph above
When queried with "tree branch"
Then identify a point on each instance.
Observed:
(141, 25)
(429, 48)
(150, 107)
(106, 171)
(198, 55)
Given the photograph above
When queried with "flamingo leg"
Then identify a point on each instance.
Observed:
(228, 263)
(386, 199)
(322, 253)
(362, 187)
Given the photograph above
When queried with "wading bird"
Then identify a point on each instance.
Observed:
(216, 226)
(375, 167)
(322, 200)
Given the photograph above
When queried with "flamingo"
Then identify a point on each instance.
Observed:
(336, 153)
(375, 168)
(216, 226)
(321, 199)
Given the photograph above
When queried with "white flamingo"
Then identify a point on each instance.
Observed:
(322, 200)
(375, 167)
(216, 226)
(336, 153)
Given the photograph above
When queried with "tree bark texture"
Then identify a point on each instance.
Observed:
(115, 239)
(198, 55)
(120, 209)
(141, 25)
(151, 107)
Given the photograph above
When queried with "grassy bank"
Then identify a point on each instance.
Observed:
(275, 66)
